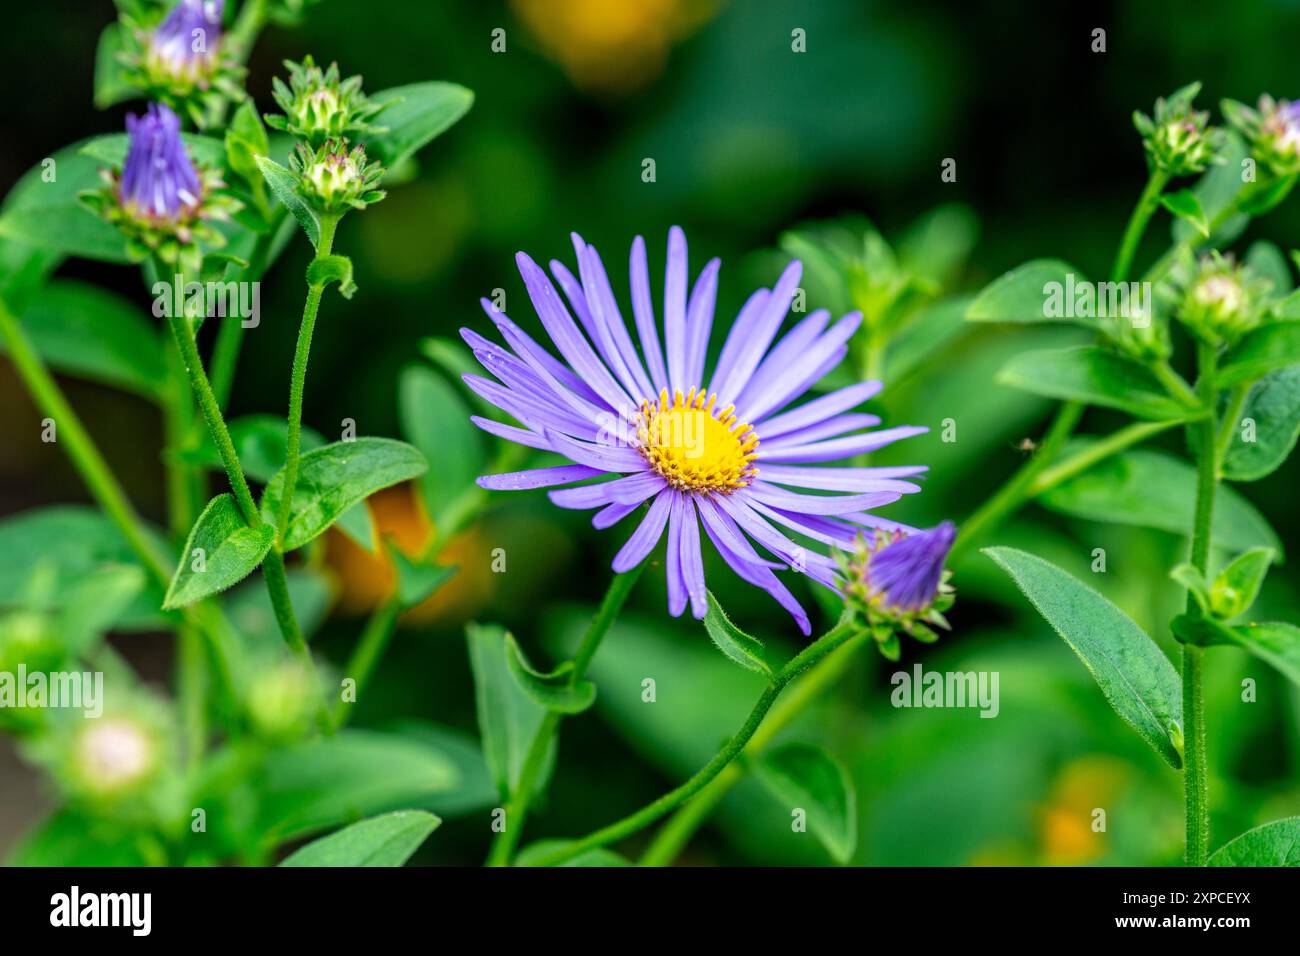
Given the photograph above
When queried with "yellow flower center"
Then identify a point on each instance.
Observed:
(695, 447)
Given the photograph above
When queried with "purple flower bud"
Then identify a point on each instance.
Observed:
(190, 33)
(905, 574)
(158, 179)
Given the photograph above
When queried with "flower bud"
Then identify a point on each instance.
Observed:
(160, 199)
(1222, 301)
(184, 60)
(897, 582)
(318, 106)
(279, 701)
(1179, 140)
(1272, 130)
(335, 179)
(114, 756)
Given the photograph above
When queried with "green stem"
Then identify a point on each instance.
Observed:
(1147, 204)
(1174, 383)
(80, 447)
(298, 383)
(370, 648)
(1195, 773)
(803, 661)
(503, 846)
(249, 23)
(1094, 453)
(1229, 426)
(674, 835)
(1016, 491)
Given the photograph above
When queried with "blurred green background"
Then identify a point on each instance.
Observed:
(749, 140)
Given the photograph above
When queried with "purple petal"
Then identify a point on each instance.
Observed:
(751, 313)
(801, 373)
(611, 515)
(843, 479)
(692, 560)
(724, 529)
(819, 504)
(537, 357)
(538, 478)
(753, 346)
(675, 310)
(699, 321)
(520, 436)
(777, 363)
(830, 428)
(840, 400)
(643, 310)
(677, 591)
(646, 535)
(841, 447)
(761, 577)
(604, 308)
(605, 457)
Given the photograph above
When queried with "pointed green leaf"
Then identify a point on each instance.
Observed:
(1265, 432)
(436, 420)
(327, 269)
(1025, 294)
(284, 186)
(1273, 844)
(220, 552)
(417, 581)
(415, 114)
(1274, 642)
(1153, 490)
(1271, 346)
(1132, 672)
(1235, 587)
(554, 690)
(387, 840)
(507, 717)
(1186, 206)
(805, 777)
(1094, 375)
(736, 644)
(334, 478)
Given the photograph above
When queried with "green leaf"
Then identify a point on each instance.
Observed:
(1132, 672)
(96, 602)
(1186, 206)
(1093, 375)
(96, 335)
(1266, 260)
(246, 140)
(357, 525)
(806, 777)
(260, 442)
(1273, 844)
(930, 329)
(355, 773)
(334, 478)
(284, 186)
(1150, 489)
(1275, 642)
(435, 419)
(70, 543)
(387, 840)
(507, 717)
(600, 856)
(1273, 406)
(417, 581)
(1271, 346)
(111, 85)
(554, 690)
(68, 838)
(1215, 190)
(49, 214)
(1022, 295)
(736, 644)
(327, 269)
(1236, 586)
(413, 116)
(220, 552)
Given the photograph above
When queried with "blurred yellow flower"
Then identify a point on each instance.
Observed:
(611, 46)
(1066, 823)
(367, 580)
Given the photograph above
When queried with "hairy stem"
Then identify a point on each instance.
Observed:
(1016, 491)
(503, 846)
(674, 835)
(1147, 204)
(1195, 775)
(803, 661)
(298, 383)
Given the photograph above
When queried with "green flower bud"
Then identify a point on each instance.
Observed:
(1179, 140)
(1223, 300)
(318, 106)
(279, 702)
(114, 757)
(1272, 130)
(335, 179)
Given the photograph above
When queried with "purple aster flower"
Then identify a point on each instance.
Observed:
(904, 575)
(728, 451)
(175, 43)
(158, 179)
